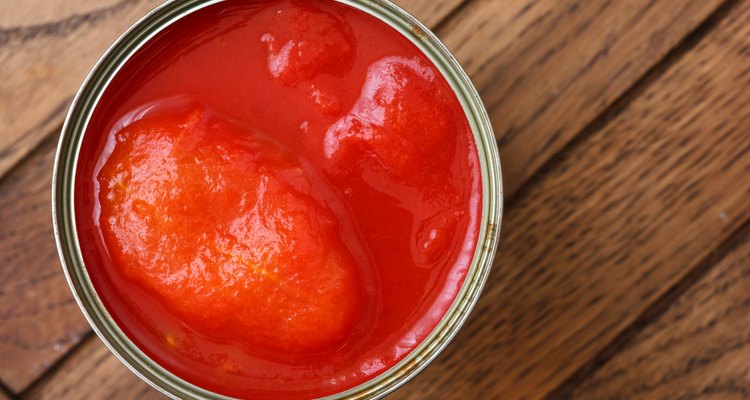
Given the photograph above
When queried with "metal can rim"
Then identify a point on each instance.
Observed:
(63, 212)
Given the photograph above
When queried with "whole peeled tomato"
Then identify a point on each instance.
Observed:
(228, 231)
(402, 119)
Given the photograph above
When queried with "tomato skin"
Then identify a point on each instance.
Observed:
(222, 227)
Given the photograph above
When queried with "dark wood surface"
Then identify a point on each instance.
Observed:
(698, 348)
(624, 131)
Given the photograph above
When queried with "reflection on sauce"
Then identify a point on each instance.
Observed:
(278, 199)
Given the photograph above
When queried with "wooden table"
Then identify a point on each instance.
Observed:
(624, 265)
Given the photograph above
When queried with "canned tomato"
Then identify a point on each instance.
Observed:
(277, 199)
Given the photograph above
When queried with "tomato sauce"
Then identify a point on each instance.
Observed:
(278, 199)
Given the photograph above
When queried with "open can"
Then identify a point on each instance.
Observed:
(63, 210)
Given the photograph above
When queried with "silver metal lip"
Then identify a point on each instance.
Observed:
(63, 212)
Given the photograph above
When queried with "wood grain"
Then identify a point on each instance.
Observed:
(45, 50)
(621, 218)
(431, 13)
(593, 243)
(546, 68)
(699, 348)
(31, 13)
(39, 319)
(530, 24)
(47, 47)
(92, 373)
(45, 56)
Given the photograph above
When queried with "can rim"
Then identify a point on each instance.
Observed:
(63, 212)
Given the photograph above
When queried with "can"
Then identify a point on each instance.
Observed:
(63, 211)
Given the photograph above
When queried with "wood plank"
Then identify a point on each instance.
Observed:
(506, 167)
(698, 349)
(672, 31)
(26, 14)
(429, 13)
(47, 47)
(39, 320)
(622, 217)
(45, 56)
(92, 373)
(546, 68)
(593, 244)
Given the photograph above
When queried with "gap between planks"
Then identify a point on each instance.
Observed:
(663, 303)
(90, 335)
(623, 101)
(613, 110)
(439, 25)
(456, 10)
(652, 313)
(720, 249)
(5, 392)
(49, 372)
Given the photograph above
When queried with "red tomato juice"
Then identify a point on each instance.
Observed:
(278, 199)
